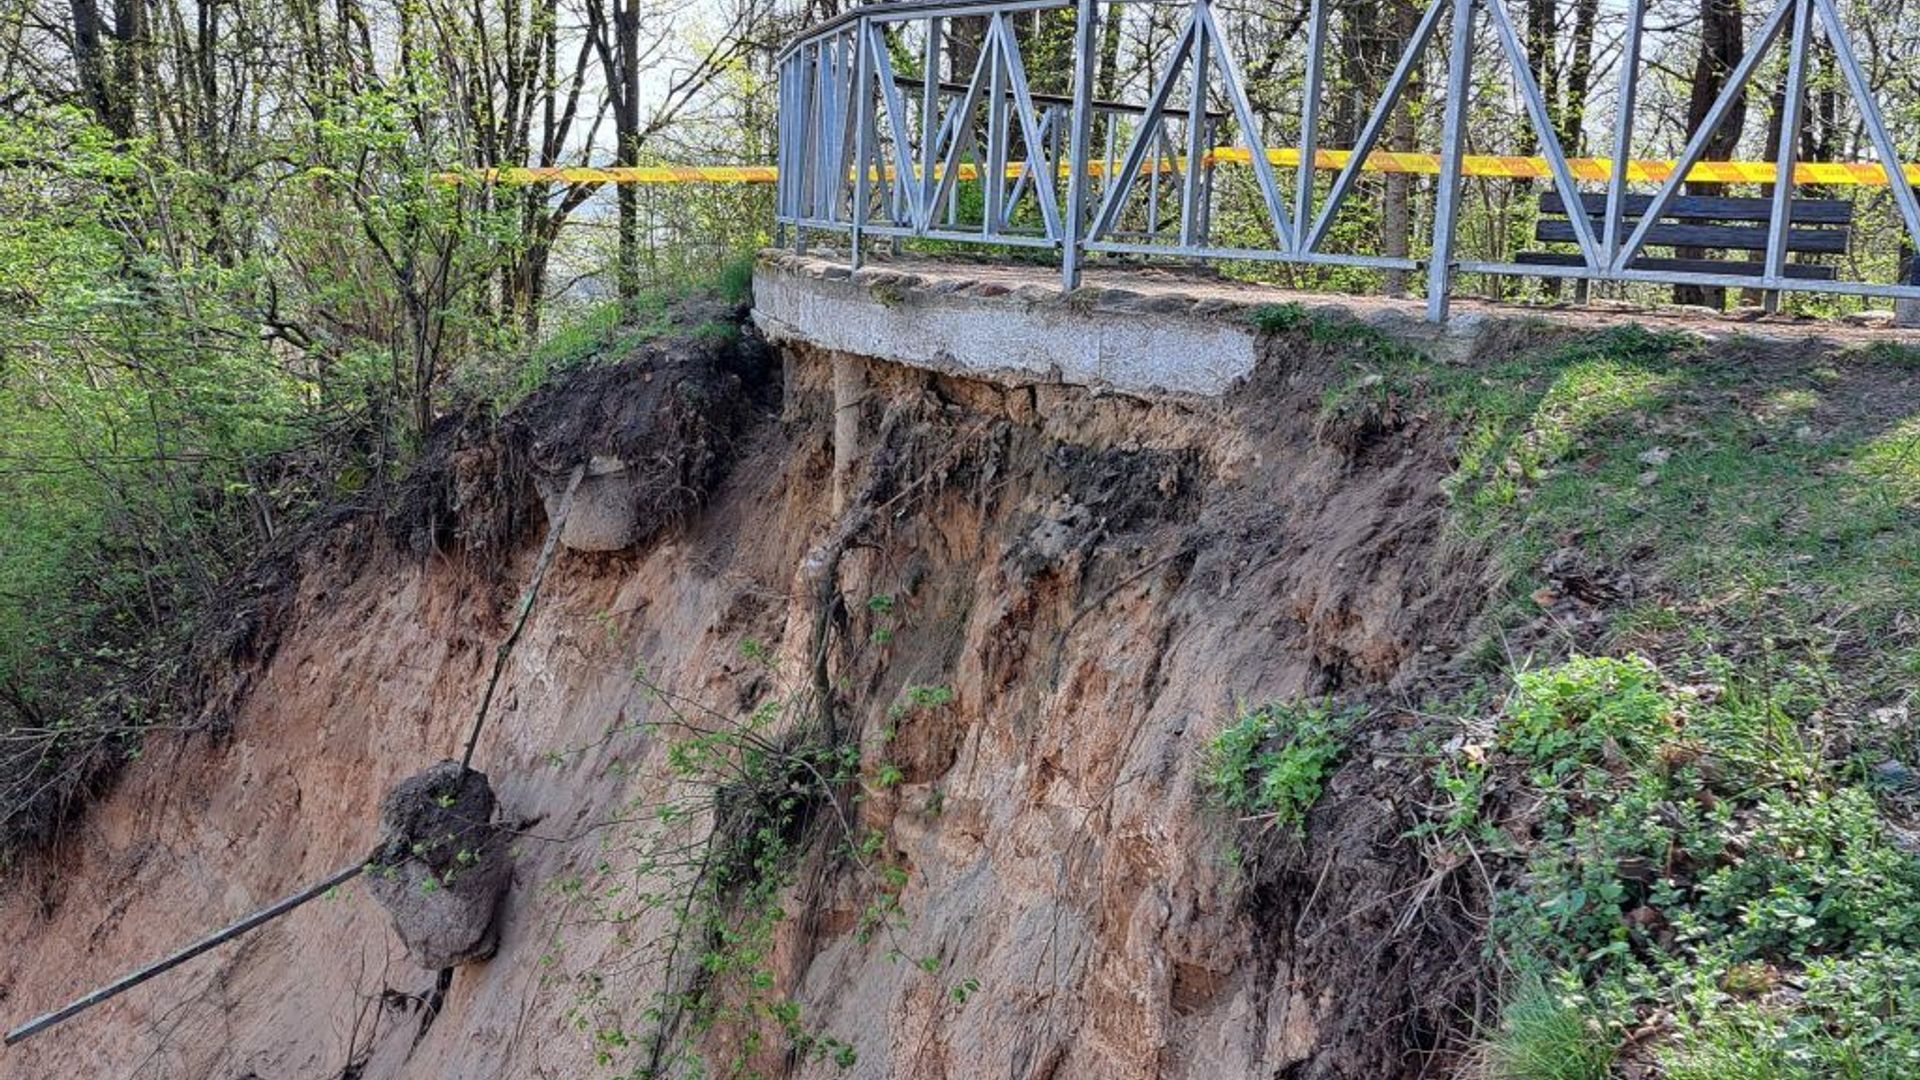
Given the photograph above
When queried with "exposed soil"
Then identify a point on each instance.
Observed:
(674, 412)
(1099, 580)
(442, 869)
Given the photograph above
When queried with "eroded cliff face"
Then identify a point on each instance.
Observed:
(1098, 580)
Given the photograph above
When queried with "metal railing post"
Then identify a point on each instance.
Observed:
(1204, 229)
(1196, 129)
(862, 136)
(1446, 209)
(993, 174)
(1309, 123)
(783, 115)
(1072, 249)
(1780, 223)
(806, 104)
(929, 122)
(1623, 127)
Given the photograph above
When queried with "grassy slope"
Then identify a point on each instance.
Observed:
(1684, 769)
(608, 329)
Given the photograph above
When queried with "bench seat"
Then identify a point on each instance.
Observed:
(1729, 267)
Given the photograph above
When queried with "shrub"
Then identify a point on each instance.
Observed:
(1699, 859)
(735, 280)
(1577, 712)
(1273, 762)
(1278, 318)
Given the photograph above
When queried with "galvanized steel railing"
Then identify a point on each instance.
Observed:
(978, 157)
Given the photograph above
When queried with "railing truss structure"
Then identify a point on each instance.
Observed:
(963, 149)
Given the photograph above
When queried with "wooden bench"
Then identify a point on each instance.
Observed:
(1816, 227)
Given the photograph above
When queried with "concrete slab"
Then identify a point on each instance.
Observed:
(1132, 342)
(1152, 330)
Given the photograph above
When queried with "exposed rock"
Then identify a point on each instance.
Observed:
(1896, 776)
(442, 867)
(604, 515)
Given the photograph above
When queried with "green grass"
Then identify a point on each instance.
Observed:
(734, 282)
(610, 329)
(1756, 494)
(1684, 833)
(1546, 1035)
(1279, 318)
(1853, 1019)
(1566, 716)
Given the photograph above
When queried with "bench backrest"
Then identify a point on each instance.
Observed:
(1819, 226)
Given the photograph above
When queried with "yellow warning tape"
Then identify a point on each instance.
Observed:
(645, 174)
(1838, 173)
(1833, 173)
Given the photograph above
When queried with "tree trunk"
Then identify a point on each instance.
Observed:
(1542, 15)
(90, 63)
(1722, 43)
(1357, 82)
(626, 115)
(1776, 113)
(1572, 121)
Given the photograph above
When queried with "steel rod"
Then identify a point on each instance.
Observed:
(1697, 145)
(1035, 166)
(958, 137)
(896, 112)
(1543, 126)
(1249, 129)
(1371, 262)
(1196, 126)
(128, 982)
(1043, 98)
(998, 136)
(1376, 123)
(970, 236)
(847, 85)
(862, 138)
(1118, 188)
(1163, 152)
(1903, 193)
(807, 94)
(892, 156)
(930, 88)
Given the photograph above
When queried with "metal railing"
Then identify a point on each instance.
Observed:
(964, 150)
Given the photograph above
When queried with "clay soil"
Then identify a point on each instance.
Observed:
(1100, 581)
